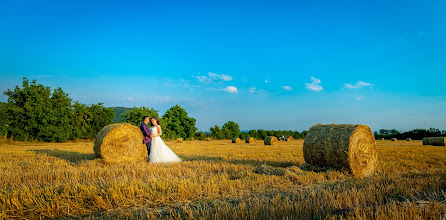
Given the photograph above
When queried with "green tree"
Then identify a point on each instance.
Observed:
(33, 112)
(3, 119)
(253, 133)
(216, 133)
(176, 124)
(200, 136)
(262, 134)
(134, 116)
(230, 129)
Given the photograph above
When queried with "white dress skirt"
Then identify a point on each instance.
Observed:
(159, 151)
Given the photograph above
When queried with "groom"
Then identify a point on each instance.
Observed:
(146, 132)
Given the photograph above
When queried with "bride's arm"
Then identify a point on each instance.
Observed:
(158, 128)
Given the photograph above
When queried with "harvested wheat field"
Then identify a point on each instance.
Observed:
(219, 180)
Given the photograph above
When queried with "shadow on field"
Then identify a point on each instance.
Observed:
(241, 162)
(70, 156)
(205, 158)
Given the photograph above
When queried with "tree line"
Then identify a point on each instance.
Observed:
(416, 134)
(35, 112)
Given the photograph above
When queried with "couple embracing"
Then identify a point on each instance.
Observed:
(156, 148)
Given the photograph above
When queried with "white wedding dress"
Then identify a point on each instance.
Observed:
(159, 151)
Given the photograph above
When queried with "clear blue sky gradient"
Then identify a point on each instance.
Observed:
(264, 64)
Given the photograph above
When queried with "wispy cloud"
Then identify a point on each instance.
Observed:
(359, 98)
(287, 87)
(203, 79)
(223, 77)
(266, 81)
(358, 85)
(314, 85)
(212, 77)
(252, 89)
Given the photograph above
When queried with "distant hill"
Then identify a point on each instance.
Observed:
(118, 111)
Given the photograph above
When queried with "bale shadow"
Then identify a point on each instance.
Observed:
(239, 162)
(70, 156)
(204, 158)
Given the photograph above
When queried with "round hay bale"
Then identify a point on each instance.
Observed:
(249, 140)
(271, 140)
(180, 140)
(394, 139)
(236, 140)
(345, 146)
(208, 139)
(434, 141)
(120, 142)
(408, 139)
(382, 139)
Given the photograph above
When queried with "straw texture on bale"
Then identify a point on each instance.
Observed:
(394, 139)
(120, 142)
(271, 140)
(249, 140)
(346, 147)
(180, 140)
(408, 139)
(236, 140)
(434, 141)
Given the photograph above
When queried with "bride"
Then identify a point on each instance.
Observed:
(159, 151)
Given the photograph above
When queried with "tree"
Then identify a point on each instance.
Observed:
(231, 130)
(253, 133)
(3, 122)
(134, 116)
(176, 124)
(200, 136)
(33, 112)
(216, 133)
(262, 133)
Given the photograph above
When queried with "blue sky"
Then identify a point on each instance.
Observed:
(263, 64)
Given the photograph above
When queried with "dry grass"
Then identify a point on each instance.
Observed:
(219, 180)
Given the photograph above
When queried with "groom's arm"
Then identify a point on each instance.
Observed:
(145, 130)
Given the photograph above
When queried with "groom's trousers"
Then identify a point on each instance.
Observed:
(148, 145)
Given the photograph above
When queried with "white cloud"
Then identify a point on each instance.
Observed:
(223, 77)
(130, 98)
(252, 89)
(287, 87)
(314, 85)
(213, 77)
(359, 98)
(231, 89)
(204, 79)
(266, 81)
(358, 85)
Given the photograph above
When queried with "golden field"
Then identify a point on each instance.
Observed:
(218, 180)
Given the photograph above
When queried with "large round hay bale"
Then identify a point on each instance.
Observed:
(345, 147)
(408, 139)
(208, 139)
(180, 140)
(120, 142)
(434, 141)
(382, 139)
(249, 140)
(236, 140)
(271, 140)
(394, 139)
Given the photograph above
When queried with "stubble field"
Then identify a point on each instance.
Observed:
(218, 179)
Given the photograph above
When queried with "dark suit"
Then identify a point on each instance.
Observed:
(146, 132)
